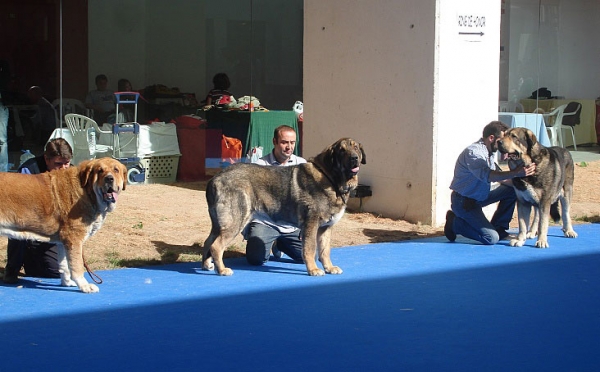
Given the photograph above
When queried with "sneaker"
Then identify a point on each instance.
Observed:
(502, 233)
(11, 276)
(276, 252)
(448, 230)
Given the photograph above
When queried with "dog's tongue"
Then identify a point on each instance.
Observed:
(355, 170)
(111, 196)
(505, 156)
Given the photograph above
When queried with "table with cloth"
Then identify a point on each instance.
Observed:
(533, 122)
(585, 132)
(156, 139)
(252, 128)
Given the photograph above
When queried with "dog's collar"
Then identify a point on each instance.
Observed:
(341, 192)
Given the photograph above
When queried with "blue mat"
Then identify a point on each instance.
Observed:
(425, 305)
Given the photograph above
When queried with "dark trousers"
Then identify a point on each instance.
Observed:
(261, 238)
(38, 259)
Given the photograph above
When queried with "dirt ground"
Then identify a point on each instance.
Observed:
(156, 224)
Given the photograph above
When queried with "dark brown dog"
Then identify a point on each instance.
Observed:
(311, 196)
(552, 182)
(64, 207)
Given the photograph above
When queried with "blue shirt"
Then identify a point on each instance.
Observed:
(472, 171)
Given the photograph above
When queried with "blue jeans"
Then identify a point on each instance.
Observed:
(260, 239)
(472, 223)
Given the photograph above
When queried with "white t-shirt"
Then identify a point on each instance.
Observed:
(270, 160)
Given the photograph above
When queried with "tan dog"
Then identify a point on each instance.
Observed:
(311, 196)
(64, 207)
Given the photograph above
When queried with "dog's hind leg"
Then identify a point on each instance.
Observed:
(565, 205)
(324, 247)
(225, 227)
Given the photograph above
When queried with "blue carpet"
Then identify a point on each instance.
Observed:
(421, 305)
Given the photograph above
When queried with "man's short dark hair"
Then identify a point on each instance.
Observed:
(494, 128)
(101, 77)
(282, 128)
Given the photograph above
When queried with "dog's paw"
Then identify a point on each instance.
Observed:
(334, 270)
(542, 244)
(226, 272)
(531, 235)
(316, 272)
(570, 234)
(516, 243)
(89, 288)
(208, 265)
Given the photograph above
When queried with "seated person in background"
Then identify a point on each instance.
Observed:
(102, 101)
(38, 259)
(45, 122)
(219, 95)
(124, 85)
(262, 234)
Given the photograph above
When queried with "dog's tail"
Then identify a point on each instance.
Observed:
(554, 213)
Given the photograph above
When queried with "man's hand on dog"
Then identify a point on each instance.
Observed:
(526, 171)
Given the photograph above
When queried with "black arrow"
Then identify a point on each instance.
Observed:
(471, 33)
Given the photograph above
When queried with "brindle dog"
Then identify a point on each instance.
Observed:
(311, 196)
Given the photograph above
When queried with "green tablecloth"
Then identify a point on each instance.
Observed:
(262, 125)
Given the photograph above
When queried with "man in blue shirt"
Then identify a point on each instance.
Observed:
(474, 172)
(263, 234)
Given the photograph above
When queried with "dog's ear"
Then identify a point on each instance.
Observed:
(123, 174)
(531, 139)
(86, 173)
(364, 156)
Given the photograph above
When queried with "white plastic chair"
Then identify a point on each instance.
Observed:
(510, 106)
(555, 126)
(84, 131)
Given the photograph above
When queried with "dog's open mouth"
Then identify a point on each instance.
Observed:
(355, 170)
(110, 196)
(513, 156)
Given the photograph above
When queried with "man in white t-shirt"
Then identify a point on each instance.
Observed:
(102, 101)
(263, 234)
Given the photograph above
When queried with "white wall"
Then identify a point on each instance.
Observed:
(396, 76)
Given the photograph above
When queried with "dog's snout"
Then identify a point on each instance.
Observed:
(109, 179)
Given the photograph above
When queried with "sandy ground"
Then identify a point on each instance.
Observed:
(157, 223)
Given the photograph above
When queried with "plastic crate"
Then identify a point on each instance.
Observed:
(161, 169)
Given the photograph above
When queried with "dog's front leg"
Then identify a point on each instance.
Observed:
(324, 247)
(63, 268)
(533, 228)
(74, 254)
(524, 212)
(309, 249)
(544, 210)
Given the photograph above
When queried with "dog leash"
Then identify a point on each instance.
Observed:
(95, 277)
